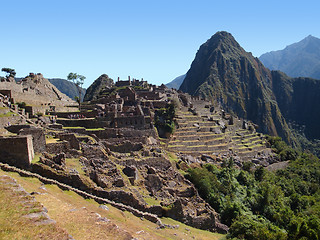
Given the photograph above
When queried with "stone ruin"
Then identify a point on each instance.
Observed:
(17, 150)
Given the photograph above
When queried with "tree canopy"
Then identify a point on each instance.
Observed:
(10, 72)
(78, 80)
(259, 204)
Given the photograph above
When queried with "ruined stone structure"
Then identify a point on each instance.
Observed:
(133, 82)
(17, 150)
(71, 138)
(38, 138)
(130, 104)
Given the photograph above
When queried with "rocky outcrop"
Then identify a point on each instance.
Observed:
(97, 86)
(36, 91)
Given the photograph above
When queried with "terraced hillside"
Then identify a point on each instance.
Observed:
(214, 133)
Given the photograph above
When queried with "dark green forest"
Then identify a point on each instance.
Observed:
(259, 204)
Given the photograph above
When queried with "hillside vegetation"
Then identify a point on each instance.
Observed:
(261, 204)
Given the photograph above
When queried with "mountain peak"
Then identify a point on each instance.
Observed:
(309, 39)
(223, 37)
(300, 59)
(224, 72)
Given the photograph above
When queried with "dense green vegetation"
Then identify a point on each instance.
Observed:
(164, 119)
(258, 204)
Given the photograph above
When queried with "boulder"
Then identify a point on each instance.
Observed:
(131, 171)
(153, 183)
(118, 182)
(207, 158)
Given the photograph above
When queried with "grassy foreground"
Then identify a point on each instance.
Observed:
(81, 218)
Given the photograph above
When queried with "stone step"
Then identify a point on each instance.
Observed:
(201, 124)
(186, 130)
(196, 153)
(198, 135)
(195, 142)
(249, 149)
(199, 148)
(248, 142)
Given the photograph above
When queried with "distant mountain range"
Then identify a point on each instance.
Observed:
(224, 72)
(176, 83)
(301, 59)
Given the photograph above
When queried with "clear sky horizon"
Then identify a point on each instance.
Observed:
(154, 40)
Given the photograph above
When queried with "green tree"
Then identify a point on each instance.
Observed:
(10, 72)
(78, 80)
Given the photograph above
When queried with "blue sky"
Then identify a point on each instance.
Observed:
(154, 40)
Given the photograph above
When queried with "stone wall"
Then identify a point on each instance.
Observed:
(89, 114)
(125, 147)
(59, 147)
(159, 104)
(17, 151)
(86, 123)
(127, 121)
(38, 138)
(71, 138)
(149, 95)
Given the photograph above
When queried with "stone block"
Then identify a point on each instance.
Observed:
(38, 138)
(17, 151)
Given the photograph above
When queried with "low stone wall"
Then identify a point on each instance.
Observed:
(155, 162)
(17, 151)
(89, 114)
(124, 147)
(17, 127)
(58, 147)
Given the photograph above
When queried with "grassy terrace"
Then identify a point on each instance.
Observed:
(202, 141)
(66, 128)
(198, 141)
(8, 114)
(14, 225)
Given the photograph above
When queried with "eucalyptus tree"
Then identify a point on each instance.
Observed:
(10, 72)
(78, 80)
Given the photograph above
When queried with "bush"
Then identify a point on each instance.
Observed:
(21, 104)
(255, 229)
